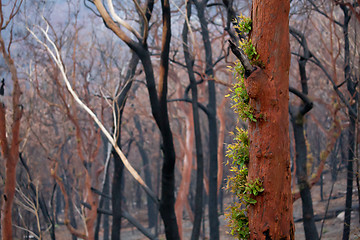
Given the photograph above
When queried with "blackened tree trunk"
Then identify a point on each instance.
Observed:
(71, 205)
(213, 142)
(104, 202)
(158, 102)
(351, 87)
(298, 120)
(167, 202)
(268, 90)
(116, 196)
(199, 152)
(144, 156)
(116, 192)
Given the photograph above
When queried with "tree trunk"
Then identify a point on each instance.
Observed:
(116, 197)
(268, 90)
(301, 174)
(150, 203)
(158, 102)
(104, 202)
(298, 121)
(199, 152)
(351, 86)
(213, 142)
(9, 145)
(8, 199)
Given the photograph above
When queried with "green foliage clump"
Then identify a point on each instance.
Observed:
(240, 186)
(239, 96)
(243, 24)
(249, 49)
(238, 151)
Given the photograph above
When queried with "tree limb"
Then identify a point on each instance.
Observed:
(239, 53)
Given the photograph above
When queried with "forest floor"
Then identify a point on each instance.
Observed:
(332, 229)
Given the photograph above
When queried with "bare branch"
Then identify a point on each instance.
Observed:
(146, 22)
(55, 54)
(239, 53)
(121, 21)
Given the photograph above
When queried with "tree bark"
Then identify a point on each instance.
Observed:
(9, 146)
(351, 87)
(268, 90)
(150, 203)
(116, 196)
(167, 202)
(298, 121)
(116, 192)
(198, 143)
(212, 124)
(301, 174)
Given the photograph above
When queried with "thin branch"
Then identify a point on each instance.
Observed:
(308, 104)
(239, 53)
(146, 23)
(317, 9)
(121, 21)
(317, 62)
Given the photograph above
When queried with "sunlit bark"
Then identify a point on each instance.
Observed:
(268, 90)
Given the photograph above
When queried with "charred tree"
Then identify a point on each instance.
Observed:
(198, 143)
(297, 115)
(212, 122)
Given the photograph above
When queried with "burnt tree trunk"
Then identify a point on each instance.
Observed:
(151, 206)
(211, 107)
(268, 90)
(298, 121)
(104, 202)
(158, 102)
(199, 152)
(116, 192)
(351, 87)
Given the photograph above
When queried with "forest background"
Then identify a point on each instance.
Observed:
(160, 87)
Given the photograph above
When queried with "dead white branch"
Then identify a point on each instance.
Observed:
(55, 54)
(121, 21)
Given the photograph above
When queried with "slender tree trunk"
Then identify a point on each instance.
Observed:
(351, 86)
(9, 146)
(116, 197)
(301, 174)
(104, 202)
(158, 102)
(298, 121)
(8, 199)
(199, 152)
(160, 112)
(152, 211)
(268, 90)
(213, 142)
(71, 207)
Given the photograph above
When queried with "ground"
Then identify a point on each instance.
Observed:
(332, 229)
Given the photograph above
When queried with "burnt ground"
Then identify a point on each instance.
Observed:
(332, 229)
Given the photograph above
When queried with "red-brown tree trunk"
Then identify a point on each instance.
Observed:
(268, 89)
(9, 145)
